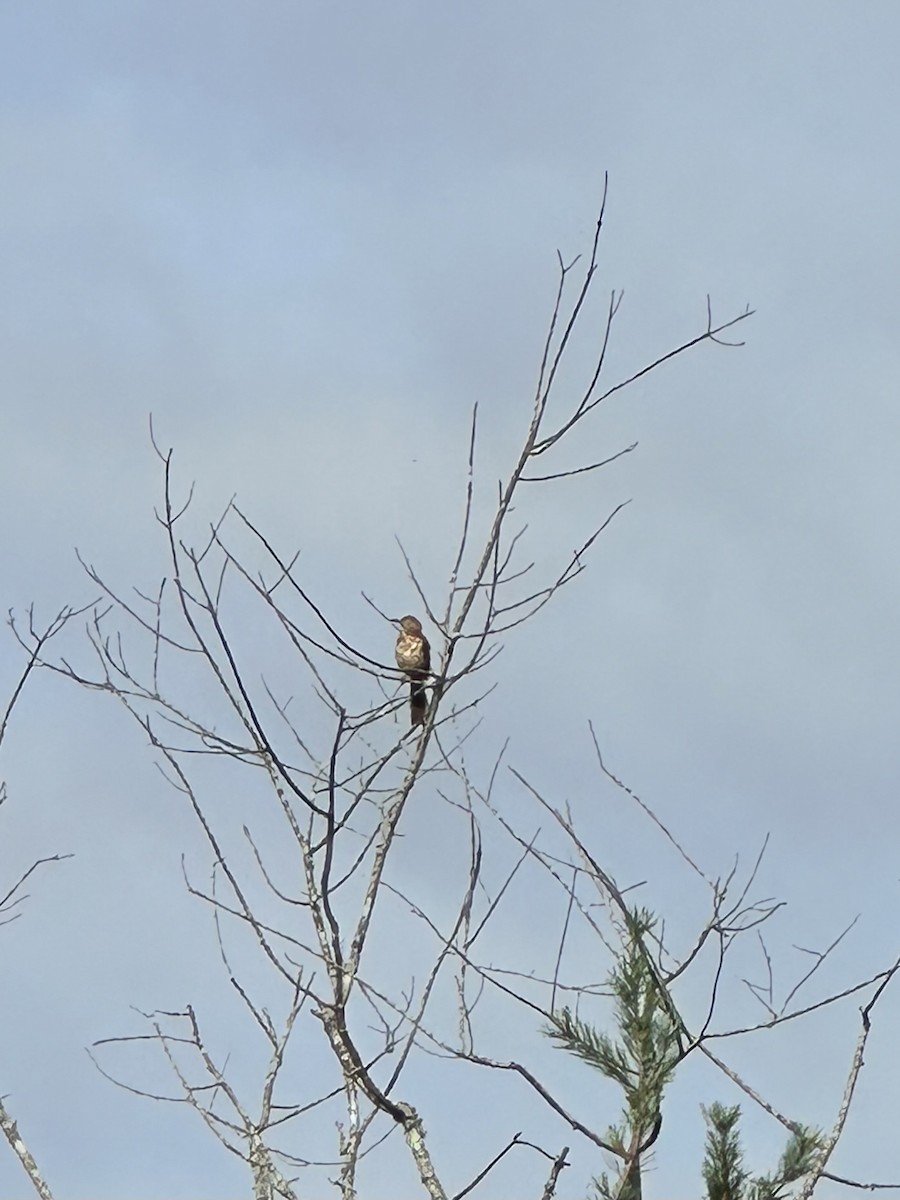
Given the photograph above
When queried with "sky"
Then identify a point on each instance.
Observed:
(307, 238)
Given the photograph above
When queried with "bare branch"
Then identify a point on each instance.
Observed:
(11, 1132)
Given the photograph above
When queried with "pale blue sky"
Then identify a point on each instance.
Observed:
(301, 233)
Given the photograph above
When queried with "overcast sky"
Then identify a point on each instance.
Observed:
(307, 237)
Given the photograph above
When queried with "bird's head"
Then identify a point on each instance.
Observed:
(410, 624)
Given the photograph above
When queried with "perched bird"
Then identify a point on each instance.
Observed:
(413, 655)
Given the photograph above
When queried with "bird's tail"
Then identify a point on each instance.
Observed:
(418, 701)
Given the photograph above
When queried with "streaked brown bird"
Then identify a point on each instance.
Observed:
(413, 655)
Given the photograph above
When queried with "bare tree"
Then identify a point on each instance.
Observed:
(318, 857)
(35, 640)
